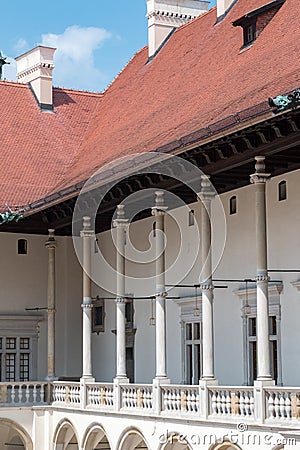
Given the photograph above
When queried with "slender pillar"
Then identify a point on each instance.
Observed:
(206, 195)
(159, 211)
(51, 246)
(88, 236)
(121, 224)
(259, 178)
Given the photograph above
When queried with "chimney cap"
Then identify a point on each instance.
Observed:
(34, 50)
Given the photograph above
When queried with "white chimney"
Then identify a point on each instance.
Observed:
(223, 6)
(166, 15)
(35, 67)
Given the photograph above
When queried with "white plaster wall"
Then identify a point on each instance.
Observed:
(24, 283)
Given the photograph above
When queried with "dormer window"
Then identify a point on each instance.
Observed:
(254, 22)
(249, 34)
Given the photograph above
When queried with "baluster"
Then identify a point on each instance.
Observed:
(222, 403)
(251, 404)
(13, 394)
(34, 393)
(247, 404)
(282, 406)
(276, 405)
(228, 402)
(288, 406)
(271, 407)
(242, 403)
(42, 393)
(214, 406)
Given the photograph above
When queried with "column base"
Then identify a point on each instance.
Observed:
(161, 380)
(206, 382)
(261, 382)
(120, 380)
(51, 378)
(87, 379)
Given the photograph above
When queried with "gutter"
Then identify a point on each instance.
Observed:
(222, 128)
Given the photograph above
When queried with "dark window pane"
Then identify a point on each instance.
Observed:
(196, 330)
(232, 205)
(188, 335)
(10, 367)
(191, 218)
(252, 326)
(22, 247)
(272, 326)
(24, 366)
(282, 191)
(24, 343)
(11, 343)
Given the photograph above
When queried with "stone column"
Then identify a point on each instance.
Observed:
(51, 246)
(259, 178)
(206, 195)
(88, 236)
(121, 223)
(159, 211)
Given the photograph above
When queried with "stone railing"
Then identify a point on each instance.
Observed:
(135, 396)
(253, 405)
(282, 404)
(24, 393)
(231, 401)
(183, 399)
(99, 395)
(66, 394)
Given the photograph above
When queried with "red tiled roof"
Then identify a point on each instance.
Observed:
(199, 77)
(38, 147)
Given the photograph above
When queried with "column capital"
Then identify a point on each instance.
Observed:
(121, 220)
(259, 176)
(87, 306)
(161, 294)
(51, 242)
(206, 286)
(87, 231)
(262, 278)
(160, 208)
(206, 193)
(121, 300)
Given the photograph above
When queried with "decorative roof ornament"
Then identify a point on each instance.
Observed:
(2, 63)
(11, 216)
(284, 102)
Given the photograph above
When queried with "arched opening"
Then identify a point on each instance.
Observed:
(65, 437)
(13, 436)
(95, 439)
(225, 446)
(133, 440)
(176, 442)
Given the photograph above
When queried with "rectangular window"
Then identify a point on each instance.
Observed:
(24, 366)
(24, 343)
(10, 366)
(15, 359)
(11, 343)
(98, 314)
(192, 347)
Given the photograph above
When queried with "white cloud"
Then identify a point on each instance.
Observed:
(74, 57)
(21, 45)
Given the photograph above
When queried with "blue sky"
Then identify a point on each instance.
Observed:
(95, 38)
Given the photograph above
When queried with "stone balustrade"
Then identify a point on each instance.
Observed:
(183, 399)
(234, 402)
(282, 404)
(24, 393)
(238, 404)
